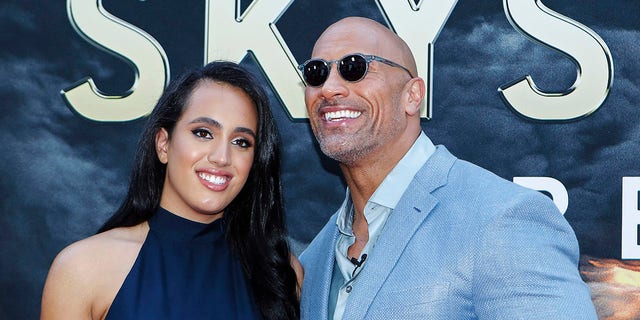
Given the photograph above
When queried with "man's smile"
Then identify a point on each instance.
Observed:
(341, 115)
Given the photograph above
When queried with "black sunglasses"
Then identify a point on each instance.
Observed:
(352, 67)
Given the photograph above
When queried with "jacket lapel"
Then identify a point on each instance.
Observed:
(317, 281)
(414, 206)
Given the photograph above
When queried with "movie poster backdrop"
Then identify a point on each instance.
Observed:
(543, 93)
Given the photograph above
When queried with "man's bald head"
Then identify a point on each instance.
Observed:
(358, 34)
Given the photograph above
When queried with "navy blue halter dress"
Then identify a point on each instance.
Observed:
(185, 270)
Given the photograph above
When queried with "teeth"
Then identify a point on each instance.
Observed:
(342, 114)
(212, 178)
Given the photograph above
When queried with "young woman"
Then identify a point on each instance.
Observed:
(201, 233)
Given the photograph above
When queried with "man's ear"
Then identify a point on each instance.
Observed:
(415, 94)
(162, 145)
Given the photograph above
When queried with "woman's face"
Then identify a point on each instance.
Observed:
(210, 152)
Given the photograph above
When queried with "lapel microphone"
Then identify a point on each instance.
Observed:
(357, 263)
(360, 262)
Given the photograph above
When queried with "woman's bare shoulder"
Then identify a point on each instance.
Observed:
(87, 254)
(88, 273)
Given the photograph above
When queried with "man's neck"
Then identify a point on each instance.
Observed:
(360, 229)
(365, 175)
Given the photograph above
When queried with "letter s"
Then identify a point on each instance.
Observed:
(127, 42)
(583, 46)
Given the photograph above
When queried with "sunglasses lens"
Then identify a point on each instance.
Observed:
(353, 68)
(315, 72)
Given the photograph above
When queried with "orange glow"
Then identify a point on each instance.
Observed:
(615, 286)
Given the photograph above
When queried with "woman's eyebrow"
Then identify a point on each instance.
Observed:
(245, 130)
(207, 120)
(218, 125)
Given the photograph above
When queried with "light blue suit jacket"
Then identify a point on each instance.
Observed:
(462, 243)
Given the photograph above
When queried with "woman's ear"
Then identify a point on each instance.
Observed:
(162, 145)
(415, 94)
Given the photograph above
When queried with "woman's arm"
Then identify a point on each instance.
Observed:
(66, 294)
(297, 267)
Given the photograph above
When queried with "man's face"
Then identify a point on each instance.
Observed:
(354, 120)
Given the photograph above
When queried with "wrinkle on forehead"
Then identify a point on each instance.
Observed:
(358, 34)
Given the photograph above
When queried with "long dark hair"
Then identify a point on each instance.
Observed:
(255, 226)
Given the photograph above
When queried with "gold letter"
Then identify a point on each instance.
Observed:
(129, 43)
(229, 35)
(580, 44)
(430, 20)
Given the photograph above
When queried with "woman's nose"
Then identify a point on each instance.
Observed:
(219, 154)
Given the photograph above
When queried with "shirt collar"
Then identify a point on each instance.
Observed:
(345, 215)
(397, 181)
(394, 184)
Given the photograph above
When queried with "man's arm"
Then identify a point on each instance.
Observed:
(527, 267)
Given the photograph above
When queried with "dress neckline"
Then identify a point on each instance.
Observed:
(169, 226)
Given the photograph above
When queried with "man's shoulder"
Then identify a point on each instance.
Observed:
(473, 181)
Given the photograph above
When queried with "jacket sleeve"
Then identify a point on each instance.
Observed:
(527, 264)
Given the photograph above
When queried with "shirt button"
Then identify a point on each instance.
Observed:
(348, 289)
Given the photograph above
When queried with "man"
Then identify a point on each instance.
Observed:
(421, 234)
